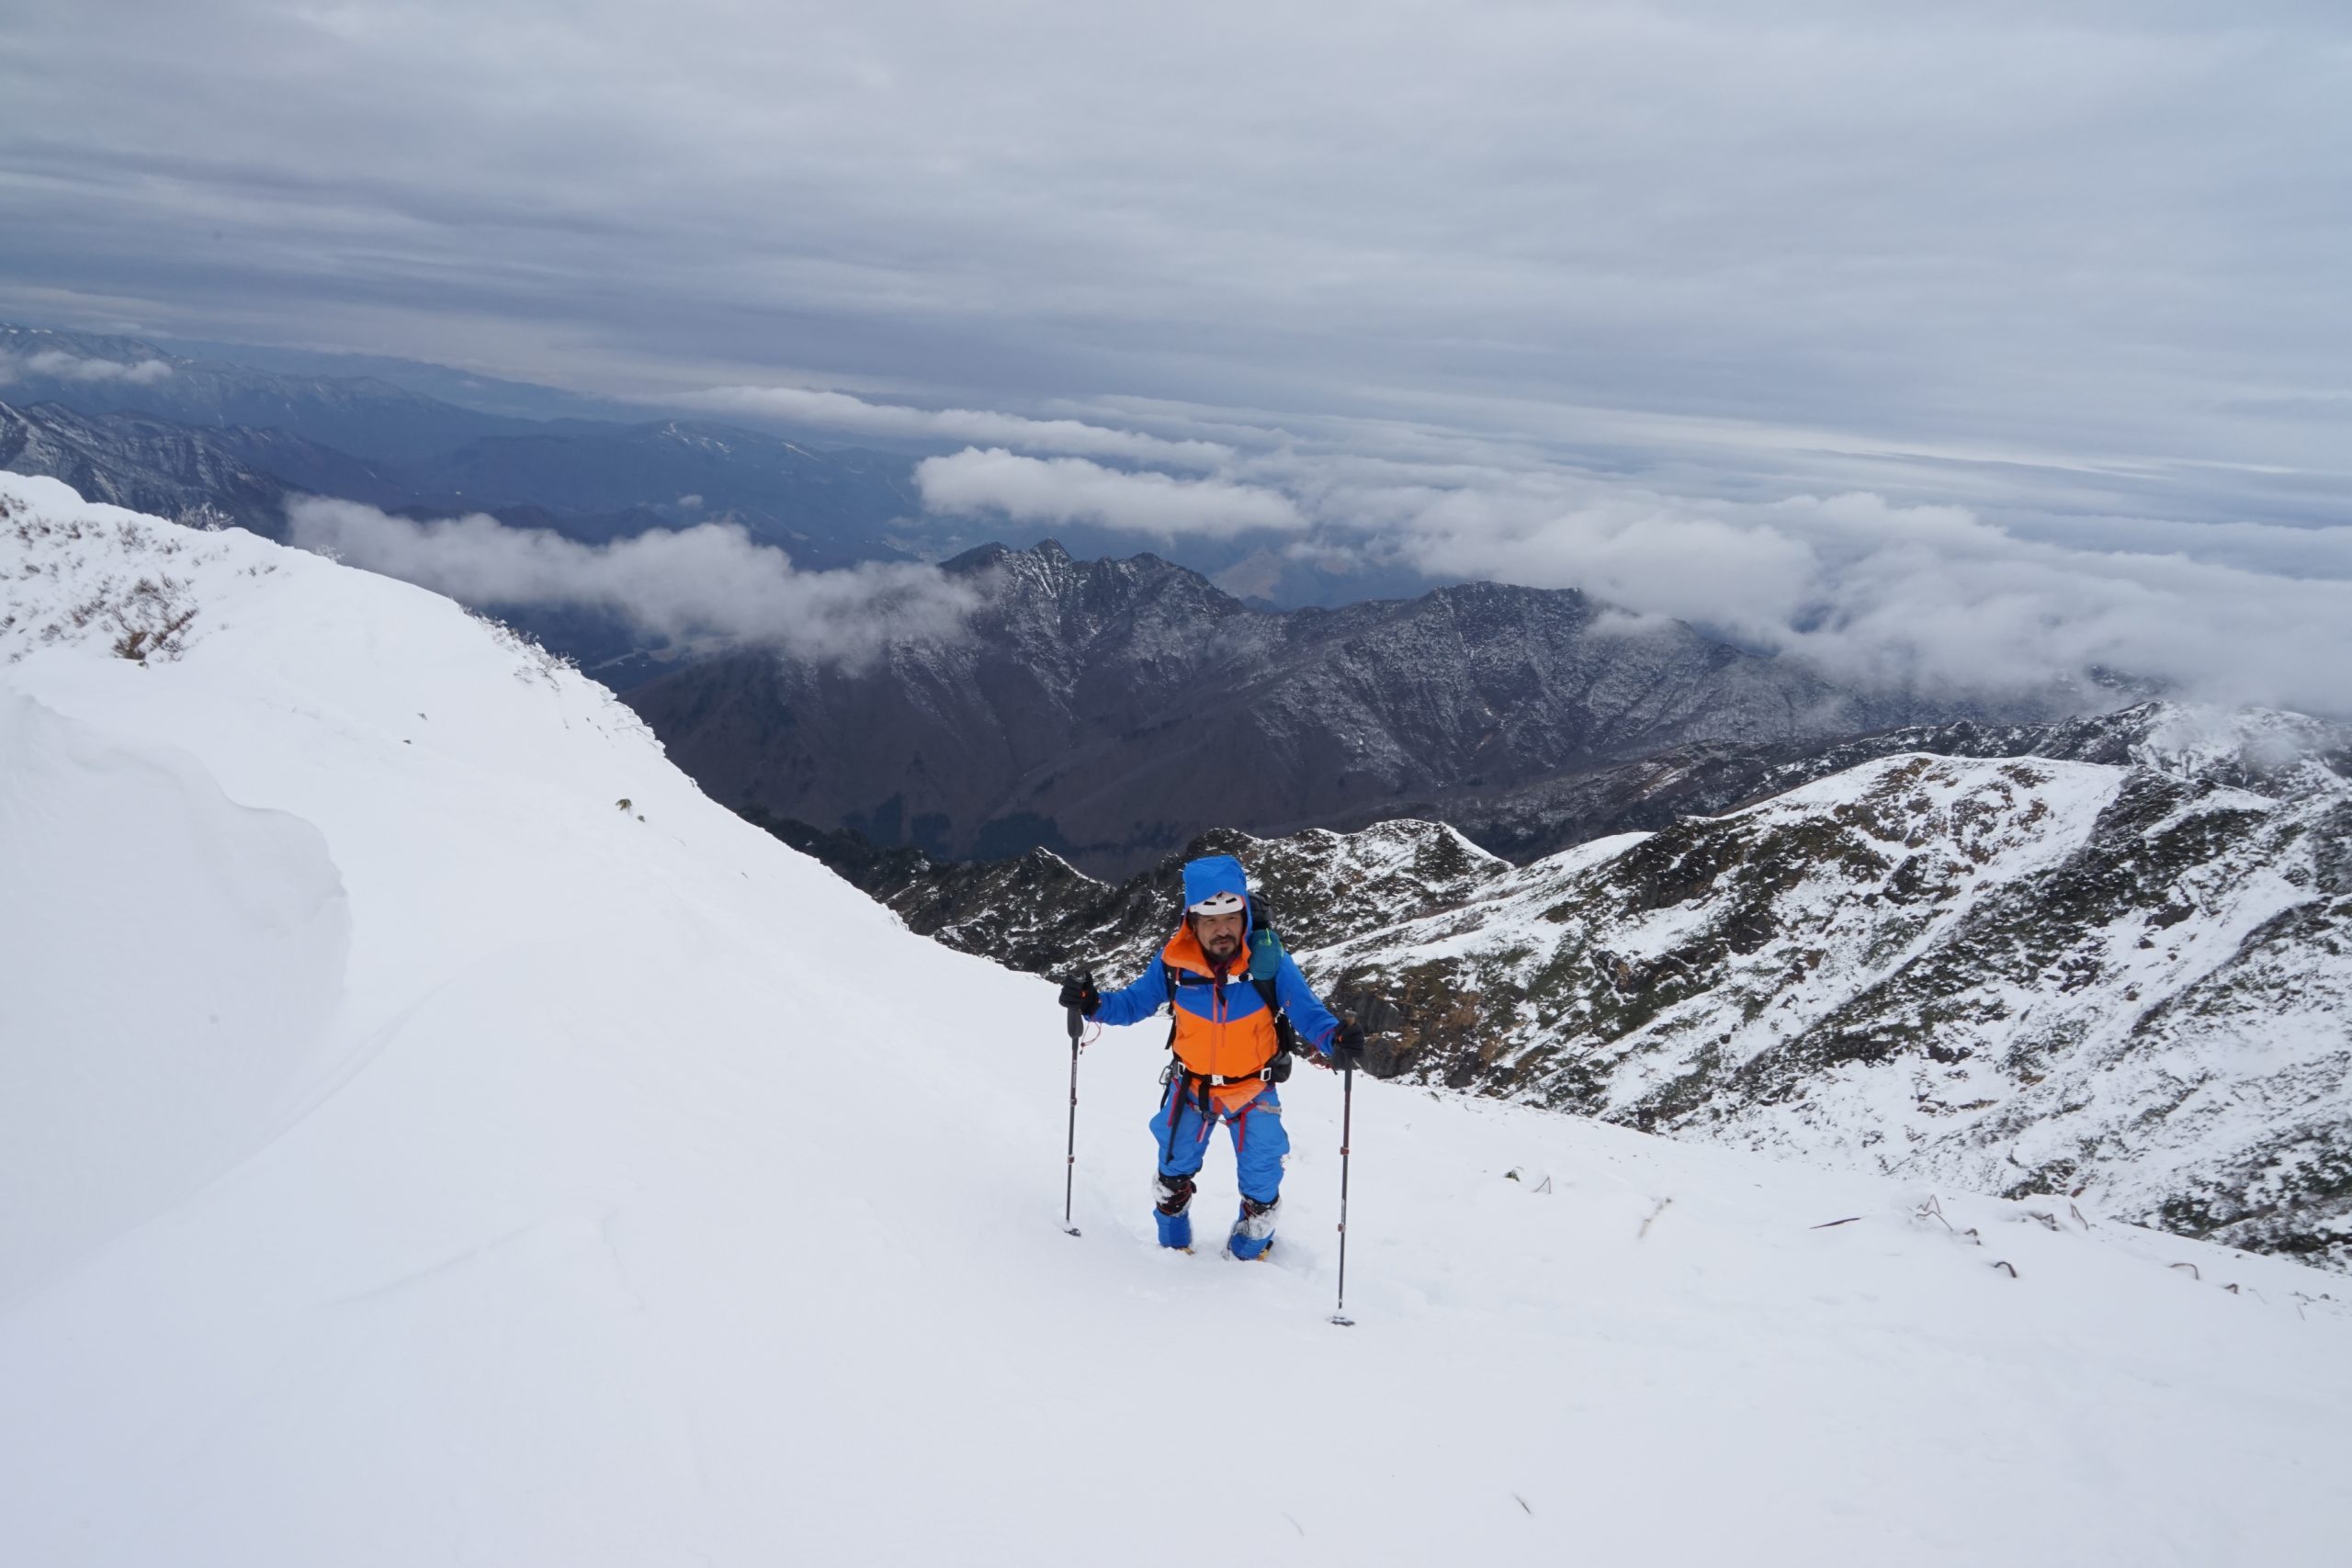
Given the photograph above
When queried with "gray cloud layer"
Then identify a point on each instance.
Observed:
(710, 580)
(857, 416)
(2072, 228)
(1954, 337)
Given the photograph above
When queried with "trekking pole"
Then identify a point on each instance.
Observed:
(1347, 1128)
(1070, 1165)
(1377, 1015)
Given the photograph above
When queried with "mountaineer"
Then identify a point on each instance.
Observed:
(1239, 1002)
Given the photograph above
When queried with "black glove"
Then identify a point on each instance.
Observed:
(1079, 991)
(1347, 1045)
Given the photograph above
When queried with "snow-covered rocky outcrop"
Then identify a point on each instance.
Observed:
(2128, 983)
(436, 1134)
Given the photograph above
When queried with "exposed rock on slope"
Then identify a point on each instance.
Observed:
(1110, 710)
(2127, 981)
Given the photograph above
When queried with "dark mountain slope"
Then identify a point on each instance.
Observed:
(1110, 710)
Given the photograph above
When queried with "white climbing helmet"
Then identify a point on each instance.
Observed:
(1217, 904)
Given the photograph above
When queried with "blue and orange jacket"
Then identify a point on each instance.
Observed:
(1223, 1027)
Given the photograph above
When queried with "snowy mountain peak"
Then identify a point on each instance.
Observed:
(2266, 749)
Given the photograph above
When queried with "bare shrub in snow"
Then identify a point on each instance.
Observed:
(537, 662)
(80, 576)
(152, 619)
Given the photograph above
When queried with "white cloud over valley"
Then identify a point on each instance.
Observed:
(1072, 490)
(709, 580)
(64, 367)
(1932, 596)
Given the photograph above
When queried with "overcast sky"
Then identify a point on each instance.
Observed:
(1361, 275)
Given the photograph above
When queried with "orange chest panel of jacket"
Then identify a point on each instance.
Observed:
(1222, 1030)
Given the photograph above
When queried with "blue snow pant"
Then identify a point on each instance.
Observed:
(1259, 1145)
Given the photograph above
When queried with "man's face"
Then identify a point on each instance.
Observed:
(1219, 935)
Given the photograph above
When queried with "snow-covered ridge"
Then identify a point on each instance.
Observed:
(2130, 984)
(574, 1174)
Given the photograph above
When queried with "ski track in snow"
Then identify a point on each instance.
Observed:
(639, 1193)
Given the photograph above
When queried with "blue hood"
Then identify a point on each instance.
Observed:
(1216, 874)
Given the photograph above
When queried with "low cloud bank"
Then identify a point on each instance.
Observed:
(1071, 489)
(64, 367)
(1930, 597)
(710, 580)
(840, 410)
(1874, 592)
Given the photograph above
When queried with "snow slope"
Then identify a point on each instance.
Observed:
(574, 1183)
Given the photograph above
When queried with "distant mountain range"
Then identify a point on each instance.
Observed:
(1111, 710)
(828, 508)
(120, 417)
(368, 418)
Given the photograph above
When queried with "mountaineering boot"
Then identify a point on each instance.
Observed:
(1172, 1197)
(1253, 1231)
